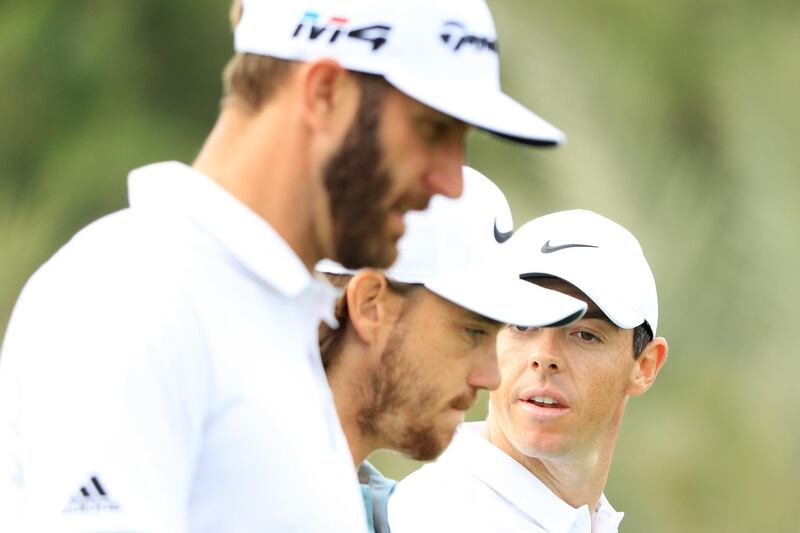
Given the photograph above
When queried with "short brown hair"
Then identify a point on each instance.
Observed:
(252, 78)
(331, 340)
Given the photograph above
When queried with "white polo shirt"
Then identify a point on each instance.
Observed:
(161, 373)
(474, 487)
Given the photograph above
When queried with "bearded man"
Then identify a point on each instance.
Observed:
(147, 365)
(417, 342)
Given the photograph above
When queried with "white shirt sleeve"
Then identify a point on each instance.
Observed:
(104, 384)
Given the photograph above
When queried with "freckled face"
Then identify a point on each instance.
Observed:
(563, 390)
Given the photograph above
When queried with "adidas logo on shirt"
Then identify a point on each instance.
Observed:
(91, 497)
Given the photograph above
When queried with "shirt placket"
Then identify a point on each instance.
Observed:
(316, 305)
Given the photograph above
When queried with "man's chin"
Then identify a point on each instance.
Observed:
(387, 255)
(431, 445)
(374, 254)
(428, 453)
(544, 447)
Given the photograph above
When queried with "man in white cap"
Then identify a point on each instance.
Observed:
(161, 372)
(541, 459)
(416, 342)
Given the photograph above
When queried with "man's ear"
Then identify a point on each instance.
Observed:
(372, 306)
(646, 367)
(330, 94)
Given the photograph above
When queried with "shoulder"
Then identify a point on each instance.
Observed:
(122, 265)
(96, 311)
(458, 492)
(439, 497)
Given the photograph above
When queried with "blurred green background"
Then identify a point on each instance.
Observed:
(683, 124)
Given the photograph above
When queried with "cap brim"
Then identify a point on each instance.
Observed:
(487, 108)
(511, 301)
(328, 266)
(620, 313)
(617, 311)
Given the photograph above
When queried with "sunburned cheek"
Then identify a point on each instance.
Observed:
(605, 397)
(512, 368)
(509, 353)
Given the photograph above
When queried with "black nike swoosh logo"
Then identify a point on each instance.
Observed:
(501, 236)
(547, 249)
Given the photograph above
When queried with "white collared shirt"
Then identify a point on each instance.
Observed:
(161, 373)
(476, 487)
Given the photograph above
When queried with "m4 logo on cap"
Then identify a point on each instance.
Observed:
(376, 34)
(455, 35)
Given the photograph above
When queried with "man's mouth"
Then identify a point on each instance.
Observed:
(400, 211)
(463, 402)
(545, 398)
(544, 401)
(411, 203)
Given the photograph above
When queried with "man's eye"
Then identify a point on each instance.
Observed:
(588, 337)
(436, 129)
(476, 333)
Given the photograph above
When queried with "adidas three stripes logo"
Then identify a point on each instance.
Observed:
(90, 498)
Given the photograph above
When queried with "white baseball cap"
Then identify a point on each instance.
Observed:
(598, 256)
(455, 249)
(442, 53)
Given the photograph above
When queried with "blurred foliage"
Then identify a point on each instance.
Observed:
(682, 120)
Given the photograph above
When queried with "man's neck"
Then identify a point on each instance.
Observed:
(578, 479)
(348, 405)
(257, 156)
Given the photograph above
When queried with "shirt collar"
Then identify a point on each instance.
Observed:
(476, 455)
(376, 490)
(179, 188)
(607, 518)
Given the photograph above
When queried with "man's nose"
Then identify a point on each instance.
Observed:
(487, 375)
(546, 356)
(543, 362)
(446, 176)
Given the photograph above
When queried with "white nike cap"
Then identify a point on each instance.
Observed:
(598, 256)
(442, 53)
(454, 249)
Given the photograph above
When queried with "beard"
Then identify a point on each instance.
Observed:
(357, 189)
(399, 392)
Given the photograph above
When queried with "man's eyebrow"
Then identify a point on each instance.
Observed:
(482, 319)
(594, 312)
(439, 116)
